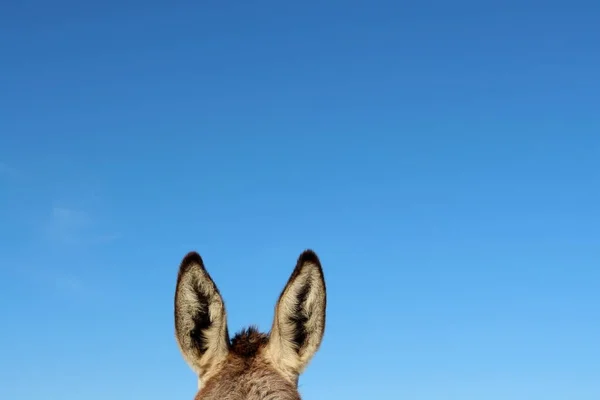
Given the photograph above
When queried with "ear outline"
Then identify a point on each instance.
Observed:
(300, 315)
(200, 317)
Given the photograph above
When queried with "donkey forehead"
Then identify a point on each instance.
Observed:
(255, 382)
(247, 374)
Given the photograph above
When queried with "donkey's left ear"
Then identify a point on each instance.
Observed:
(299, 321)
(200, 318)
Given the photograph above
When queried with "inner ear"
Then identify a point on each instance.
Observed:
(200, 317)
(299, 321)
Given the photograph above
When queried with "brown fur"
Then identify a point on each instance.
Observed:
(243, 377)
(252, 365)
(248, 342)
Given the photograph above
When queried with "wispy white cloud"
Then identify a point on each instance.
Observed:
(63, 231)
(67, 225)
(105, 238)
(69, 229)
(68, 283)
(71, 226)
(6, 171)
(55, 279)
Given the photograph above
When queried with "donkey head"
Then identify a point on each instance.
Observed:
(253, 365)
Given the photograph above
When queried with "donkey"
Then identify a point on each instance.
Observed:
(252, 365)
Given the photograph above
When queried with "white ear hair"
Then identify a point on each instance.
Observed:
(299, 322)
(200, 317)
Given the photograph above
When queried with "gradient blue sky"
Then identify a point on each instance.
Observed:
(442, 158)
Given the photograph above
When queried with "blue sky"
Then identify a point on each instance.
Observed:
(442, 158)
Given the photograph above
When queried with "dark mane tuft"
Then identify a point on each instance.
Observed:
(247, 342)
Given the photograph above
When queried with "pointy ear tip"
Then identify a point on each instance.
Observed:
(309, 259)
(309, 256)
(191, 258)
(191, 269)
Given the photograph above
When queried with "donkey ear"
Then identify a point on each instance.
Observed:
(200, 318)
(299, 321)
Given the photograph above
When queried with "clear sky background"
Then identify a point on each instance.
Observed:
(442, 158)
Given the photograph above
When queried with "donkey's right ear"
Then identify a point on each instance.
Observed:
(299, 321)
(200, 317)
